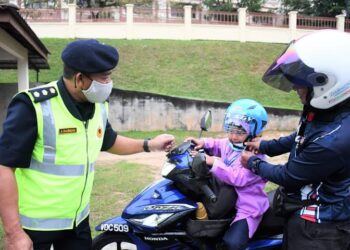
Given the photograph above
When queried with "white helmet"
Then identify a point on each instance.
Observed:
(319, 61)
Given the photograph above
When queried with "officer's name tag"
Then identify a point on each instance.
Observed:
(67, 130)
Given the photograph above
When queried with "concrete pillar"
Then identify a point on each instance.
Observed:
(23, 73)
(188, 21)
(242, 23)
(129, 21)
(15, 49)
(72, 19)
(340, 22)
(293, 24)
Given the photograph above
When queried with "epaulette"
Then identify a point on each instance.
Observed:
(43, 93)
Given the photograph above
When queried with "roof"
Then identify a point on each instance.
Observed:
(13, 23)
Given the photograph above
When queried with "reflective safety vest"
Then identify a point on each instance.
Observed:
(54, 192)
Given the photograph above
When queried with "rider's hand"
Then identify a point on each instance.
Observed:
(163, 142)
(254, 145)
(18, 240)
(199, 143)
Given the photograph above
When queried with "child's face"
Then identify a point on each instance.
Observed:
(237, 136)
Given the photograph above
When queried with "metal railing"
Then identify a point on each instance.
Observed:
(310, 22)
(347, 25)
(44, 15)
(148, 14)
(108, 14)
(214, 17)
(267, 19)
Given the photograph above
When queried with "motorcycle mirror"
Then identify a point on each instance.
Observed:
(206, 121)
(199, 166)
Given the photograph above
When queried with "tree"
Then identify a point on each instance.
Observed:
(327, 8)
(252, 5)
(227, 5)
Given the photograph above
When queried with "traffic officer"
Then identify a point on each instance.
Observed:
(51, 139)
(316, 179)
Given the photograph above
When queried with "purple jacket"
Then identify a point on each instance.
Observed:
(252, 201)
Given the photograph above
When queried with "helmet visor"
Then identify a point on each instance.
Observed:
(237, 121)
(289, 71)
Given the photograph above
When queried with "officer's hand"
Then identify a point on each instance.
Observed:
(163, 142)
(245, 157)
(254, 145)
(199, 143)
(18, 240)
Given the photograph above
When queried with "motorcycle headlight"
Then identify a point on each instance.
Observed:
(167, 168)
(152, 220)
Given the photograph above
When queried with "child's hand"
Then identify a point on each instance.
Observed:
(199, 143)
(210, 160)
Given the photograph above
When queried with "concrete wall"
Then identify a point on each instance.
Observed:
(131, 110)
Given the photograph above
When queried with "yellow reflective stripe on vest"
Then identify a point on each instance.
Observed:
(48, 224)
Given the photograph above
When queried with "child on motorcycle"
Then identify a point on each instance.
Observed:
(244, 120)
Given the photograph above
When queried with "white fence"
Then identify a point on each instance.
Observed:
(182, 24)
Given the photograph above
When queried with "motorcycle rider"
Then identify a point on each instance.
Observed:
(244, 119)
(317, 175)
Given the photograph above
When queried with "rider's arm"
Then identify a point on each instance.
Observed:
(313, 164)
(278, 146)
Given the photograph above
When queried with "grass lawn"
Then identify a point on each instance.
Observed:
(210, 70)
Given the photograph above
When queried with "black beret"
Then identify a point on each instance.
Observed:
(90, 56)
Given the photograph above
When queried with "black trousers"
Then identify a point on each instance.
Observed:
(302, 234)
(78, 238)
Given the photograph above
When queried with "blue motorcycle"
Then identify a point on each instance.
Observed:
(163, 215)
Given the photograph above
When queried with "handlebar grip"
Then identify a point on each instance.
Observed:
(209, 193)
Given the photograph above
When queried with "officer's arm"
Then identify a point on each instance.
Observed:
(16, 238)
(124, 146)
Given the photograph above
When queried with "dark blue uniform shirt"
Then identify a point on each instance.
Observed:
(20, 127)
(319, 169)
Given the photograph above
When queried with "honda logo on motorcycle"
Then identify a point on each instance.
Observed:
(156, 238)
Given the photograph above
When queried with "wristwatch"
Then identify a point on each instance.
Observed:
(145, 145)
(255, 165)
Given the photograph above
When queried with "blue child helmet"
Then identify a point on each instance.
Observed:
(248, 114)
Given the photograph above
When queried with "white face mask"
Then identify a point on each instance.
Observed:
(237, 146)
(98, 92)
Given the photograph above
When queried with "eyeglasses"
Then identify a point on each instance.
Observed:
(239, 132)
